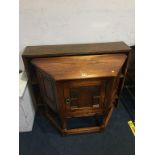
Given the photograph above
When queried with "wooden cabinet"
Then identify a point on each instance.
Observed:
(83, 84)
(79, 86)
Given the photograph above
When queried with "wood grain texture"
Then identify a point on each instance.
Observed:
(89, 76)
(74, 96)
(75, 49)
(81, 67)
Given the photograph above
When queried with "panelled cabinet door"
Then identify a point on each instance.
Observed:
(84, 95)
(47, 88)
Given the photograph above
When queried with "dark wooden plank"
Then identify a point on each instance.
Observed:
(75, 49)
(82, 130)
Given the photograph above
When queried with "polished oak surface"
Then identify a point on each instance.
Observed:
(81, 67)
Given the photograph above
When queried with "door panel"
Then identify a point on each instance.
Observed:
(84, 95)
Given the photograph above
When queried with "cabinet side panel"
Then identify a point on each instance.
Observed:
(47, 89)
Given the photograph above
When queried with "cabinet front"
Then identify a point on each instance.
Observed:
(84, 97)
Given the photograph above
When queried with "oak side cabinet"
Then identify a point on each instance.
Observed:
(77, 82)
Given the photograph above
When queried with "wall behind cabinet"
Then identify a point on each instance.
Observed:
(75, 21)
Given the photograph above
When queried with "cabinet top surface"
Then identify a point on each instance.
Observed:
(81, 67)
(75, 49)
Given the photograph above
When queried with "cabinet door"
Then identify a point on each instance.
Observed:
(84, 96)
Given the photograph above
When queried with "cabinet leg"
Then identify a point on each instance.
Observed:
(103, 123)
(64, 127)
(64, 124)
